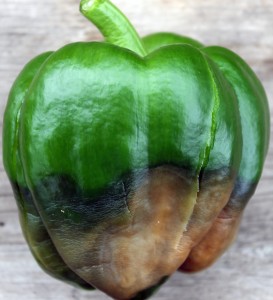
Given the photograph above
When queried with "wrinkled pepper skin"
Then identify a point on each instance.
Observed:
(133, 158)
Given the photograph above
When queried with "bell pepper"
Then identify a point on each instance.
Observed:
(133, 157)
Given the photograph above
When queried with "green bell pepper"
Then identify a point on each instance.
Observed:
(132, 158)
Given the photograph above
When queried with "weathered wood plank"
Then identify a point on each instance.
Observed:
(29, 27)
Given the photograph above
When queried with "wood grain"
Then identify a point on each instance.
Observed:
(29, 27)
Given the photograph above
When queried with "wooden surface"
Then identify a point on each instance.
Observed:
(29, 27)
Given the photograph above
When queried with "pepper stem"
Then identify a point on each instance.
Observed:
(113, 24)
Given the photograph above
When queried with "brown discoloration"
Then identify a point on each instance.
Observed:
(218, 239)
(214, 194)
(164, 220)
(137, 254)
(214, 224)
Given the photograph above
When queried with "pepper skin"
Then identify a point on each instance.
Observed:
(133, 158)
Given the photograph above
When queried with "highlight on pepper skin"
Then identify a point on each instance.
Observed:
(133, 158)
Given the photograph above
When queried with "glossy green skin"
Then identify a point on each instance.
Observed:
(95, 112)
(100, 113)
(252, 104)
(32, 225)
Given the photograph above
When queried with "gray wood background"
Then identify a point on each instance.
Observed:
(29, 27)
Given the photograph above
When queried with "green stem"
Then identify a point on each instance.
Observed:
(113, 25)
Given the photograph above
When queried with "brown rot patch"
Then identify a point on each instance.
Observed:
(140, 229)
(220, 236)
(222, 232)
(128, 254)
(126, 239)
(214, 193)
